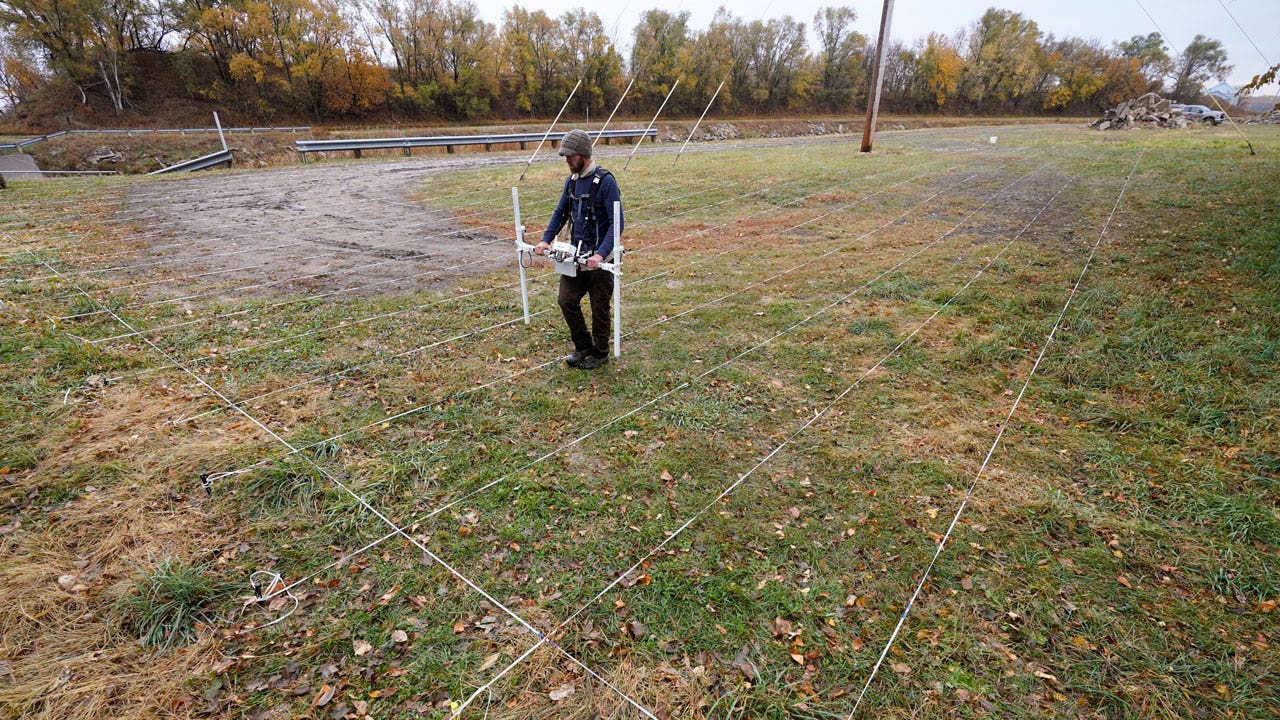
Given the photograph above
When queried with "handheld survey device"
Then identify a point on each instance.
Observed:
(568, 260)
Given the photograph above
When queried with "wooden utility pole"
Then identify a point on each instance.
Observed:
(877, 77)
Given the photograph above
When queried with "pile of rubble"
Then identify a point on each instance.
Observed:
(1267, 118)
(1149, 111)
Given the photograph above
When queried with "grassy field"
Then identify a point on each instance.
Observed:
(827, 357)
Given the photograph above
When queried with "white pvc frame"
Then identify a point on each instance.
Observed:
(525, 250)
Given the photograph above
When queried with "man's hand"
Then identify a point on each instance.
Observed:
(541, 248)
(594, 261)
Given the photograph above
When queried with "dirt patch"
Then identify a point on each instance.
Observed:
(320, 228)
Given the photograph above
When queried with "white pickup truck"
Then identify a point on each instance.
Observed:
(1200, 112)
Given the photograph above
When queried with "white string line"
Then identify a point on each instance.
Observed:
(804, 142)
(807, 143)
(663, 396)
(1212, 97)
(167, 229)
(398, 530)
(228, 291)
(671, 536)
(211, 356)
(342, 271)
(1246, 34)
(228, 188)
(496, 159)
(455, 215)
(999, 434)
(515, 374)
(151, 264)
(426, 406)
(743, 144)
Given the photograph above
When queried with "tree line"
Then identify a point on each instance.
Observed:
(438, 59)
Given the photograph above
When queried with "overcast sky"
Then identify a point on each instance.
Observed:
(1105, 20)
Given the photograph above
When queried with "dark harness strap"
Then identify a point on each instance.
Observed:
(588, 214)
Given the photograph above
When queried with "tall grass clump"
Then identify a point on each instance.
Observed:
(163, 607)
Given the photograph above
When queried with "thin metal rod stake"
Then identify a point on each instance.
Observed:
(615, 112)
(695, 125)
(221, 137)
(651, 123)
(548, 132)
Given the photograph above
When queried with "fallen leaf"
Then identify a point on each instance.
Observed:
(382, 693)
(901, 668)
(489, 661)
(744, 665)
(361, 648)
(562, 692)
(634, 629)
(797, 658)
(399, 636)
(1124, 581)
(326, 694)
(966, 583)
(1266, 607)
(1045, 676)
(666, 476)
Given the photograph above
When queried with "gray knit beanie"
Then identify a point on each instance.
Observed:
(576, 142)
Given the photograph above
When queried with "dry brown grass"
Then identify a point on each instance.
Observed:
(65, 656)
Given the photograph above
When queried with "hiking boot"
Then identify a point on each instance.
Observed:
(591, 362)
(576, 358)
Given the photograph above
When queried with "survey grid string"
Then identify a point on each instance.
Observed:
(388, 419)
(331, 273)
(1202, 85)
(448, 214)
(924, 578)
(512, 322)
(210, 356)
(710, 187)
(423, 255)
(817, 415)
(663, 396)
(398, 530)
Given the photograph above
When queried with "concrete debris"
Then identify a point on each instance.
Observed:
(1267, 118)
(1148, 111)
(103, 154)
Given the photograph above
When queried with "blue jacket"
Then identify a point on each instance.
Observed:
(592, 229)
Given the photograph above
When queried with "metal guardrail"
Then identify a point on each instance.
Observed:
(450, 141)
(200, 163)
(21, 144)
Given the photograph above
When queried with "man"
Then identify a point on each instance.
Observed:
(586, 205)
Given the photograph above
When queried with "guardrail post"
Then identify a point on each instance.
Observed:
(357, 152)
